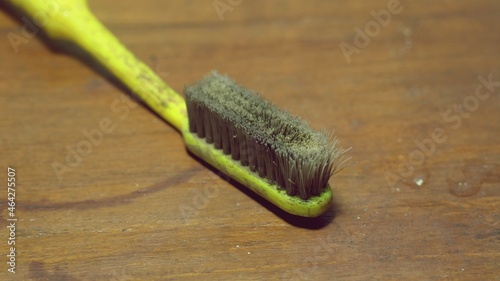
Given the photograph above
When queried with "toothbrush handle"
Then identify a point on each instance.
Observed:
(71, 20)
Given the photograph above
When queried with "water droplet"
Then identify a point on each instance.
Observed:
(467, 182)
(419, 179)
(463, 188)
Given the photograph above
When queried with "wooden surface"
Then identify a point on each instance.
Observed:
(139, 207)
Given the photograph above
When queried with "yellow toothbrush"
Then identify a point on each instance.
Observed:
(72, 21)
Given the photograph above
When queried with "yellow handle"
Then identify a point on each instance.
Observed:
(71, 20)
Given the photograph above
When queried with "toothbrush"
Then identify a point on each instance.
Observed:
(276, 155)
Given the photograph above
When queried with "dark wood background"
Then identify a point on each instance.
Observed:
(139, 207)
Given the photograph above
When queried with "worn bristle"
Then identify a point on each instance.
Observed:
(270, 142)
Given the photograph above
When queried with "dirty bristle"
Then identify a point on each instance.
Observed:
(270, 142)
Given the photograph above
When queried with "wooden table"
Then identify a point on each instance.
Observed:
(404, 83)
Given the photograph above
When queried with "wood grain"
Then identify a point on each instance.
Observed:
(139, 207)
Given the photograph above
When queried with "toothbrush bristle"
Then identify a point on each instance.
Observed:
(272, 143)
